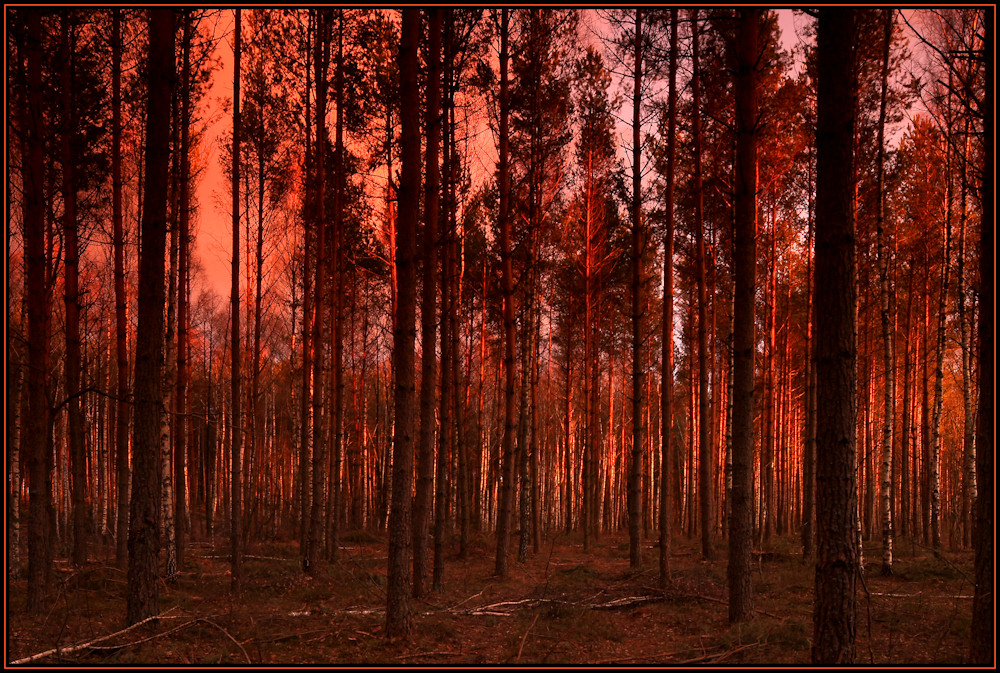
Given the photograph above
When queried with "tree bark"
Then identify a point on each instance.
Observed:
(422, 504)
(142, 597)
(888, 407)
(398, 612)
(836, 342)
(638, 310)
(983, 616)
(507, 451)
(236, 426)
(705, 452)
(739, 572)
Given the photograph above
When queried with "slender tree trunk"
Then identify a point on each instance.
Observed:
(305, 401)
(934, 456)
(740, 575)
(71, 300)
(836, 342)
(983, 648)
(507, 451)
(34, 443)
(888, 358)
(423, 502)
(667, 374)
(398, 614)
(705, 452)
(316, 519)
(183, 272)
(638, 312)
(335, 509)
(121, 449)
(236, 514)
(809, 448)
(142, 593)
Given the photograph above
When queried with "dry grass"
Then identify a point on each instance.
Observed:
(558, 608)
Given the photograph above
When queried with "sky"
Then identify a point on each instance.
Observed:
(214, 239)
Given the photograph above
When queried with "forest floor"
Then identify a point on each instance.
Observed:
(560, 607)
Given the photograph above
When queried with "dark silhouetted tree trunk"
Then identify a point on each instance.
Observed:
(983, 650)
(740, 574)
(836, 342)
(236, 426)
(706, 462)
(423, 503)
(507, 451)
(71, 300)
(142, 594)
(667, 374)
(34, 443)
(638, 310)
(121, 324)
(398, 615)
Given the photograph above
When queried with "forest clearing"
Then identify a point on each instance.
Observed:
(520, 335)
(560, 607)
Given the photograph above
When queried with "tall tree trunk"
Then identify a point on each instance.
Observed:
(183, 287)
(888, 357)
(121, 450)
(142, 597)
(314, 542)
(305, 400)
(71, 300)
(667, 373)
(33, 439)
(423, 502)
(398, 615)
(983, 647)
(739, 572)
(705, 452)
(236, 514)
(836, 342)
(335, 510)
(809, 448)
(638, 310)
(507, 451)
(934, 457)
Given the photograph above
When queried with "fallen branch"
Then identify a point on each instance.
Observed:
(429, 654)
(627, 601)
(228, 635)
(718, 656)
(96, 648)
(525, 637)
(83, 646)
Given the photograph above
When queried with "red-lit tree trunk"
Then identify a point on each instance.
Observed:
(888, 357)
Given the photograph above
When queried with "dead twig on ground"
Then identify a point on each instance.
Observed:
(228, 635)
(524, 638)
(82, 646)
